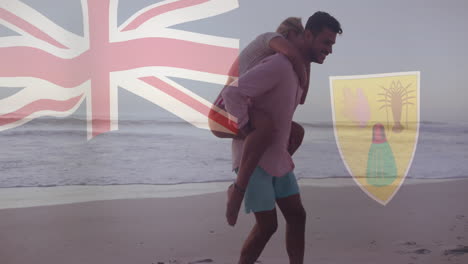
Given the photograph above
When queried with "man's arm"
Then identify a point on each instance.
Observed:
(306, 86)
(283, 46)
(251, 85)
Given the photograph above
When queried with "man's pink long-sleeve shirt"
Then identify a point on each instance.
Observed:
(272, 87)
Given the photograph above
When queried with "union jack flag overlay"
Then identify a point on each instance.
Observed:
(59, 69)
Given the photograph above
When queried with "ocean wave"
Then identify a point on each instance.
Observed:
(180, 182)
(76, 120)
(44, 133)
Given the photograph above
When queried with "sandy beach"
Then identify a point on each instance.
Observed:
(424, 223)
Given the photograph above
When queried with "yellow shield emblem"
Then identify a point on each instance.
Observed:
(376, 124)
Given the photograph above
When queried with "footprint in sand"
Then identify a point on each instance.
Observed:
(373, 244)
(171, 261)
(406, 247)
(459, 250)
(422, 251)
(208, 260)
(407, 243)
(460, 218)
(419, 251)
(438, 243)
(411, 247)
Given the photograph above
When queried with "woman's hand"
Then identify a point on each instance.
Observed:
(301, 71)
(285, 47)
(243, 131)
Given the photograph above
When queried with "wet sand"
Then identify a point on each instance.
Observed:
(424, 223)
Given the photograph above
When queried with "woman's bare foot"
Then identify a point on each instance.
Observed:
(235, 196)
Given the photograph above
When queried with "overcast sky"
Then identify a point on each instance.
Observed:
(379, 36)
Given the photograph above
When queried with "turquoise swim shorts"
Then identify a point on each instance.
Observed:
(263, 190)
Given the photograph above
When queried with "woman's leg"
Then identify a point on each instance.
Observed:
(219, 123)
(295, 138)
(255, 144)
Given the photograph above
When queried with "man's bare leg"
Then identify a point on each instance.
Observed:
(295, 216)
(265, 226)
(254, 146)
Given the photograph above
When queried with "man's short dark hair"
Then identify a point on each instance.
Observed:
(320, 20)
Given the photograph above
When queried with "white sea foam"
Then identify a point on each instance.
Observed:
(47, 196)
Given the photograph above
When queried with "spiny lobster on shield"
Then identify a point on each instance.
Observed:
(395, 98)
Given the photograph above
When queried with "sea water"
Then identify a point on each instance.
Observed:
(56, 152)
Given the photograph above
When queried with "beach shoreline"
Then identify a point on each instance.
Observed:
(424, 223)
(22, 197)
